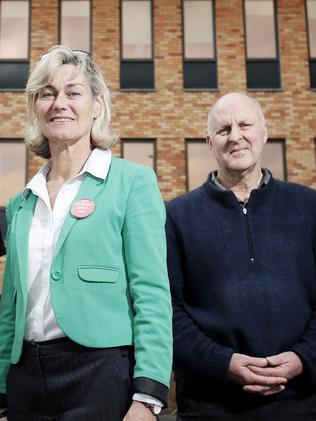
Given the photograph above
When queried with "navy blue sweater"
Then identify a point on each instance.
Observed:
(242, 283)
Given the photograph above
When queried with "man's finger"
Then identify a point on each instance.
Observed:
(268, 371)
(275, 360)
(263, 390)
(257, 362)
(255, 379)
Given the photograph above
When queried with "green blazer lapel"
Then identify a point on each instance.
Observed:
(23, 219)
(90, 188)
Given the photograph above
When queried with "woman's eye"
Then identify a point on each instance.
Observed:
(74, 93)
(47, 94)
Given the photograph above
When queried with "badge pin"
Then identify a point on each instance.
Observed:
(82, 208)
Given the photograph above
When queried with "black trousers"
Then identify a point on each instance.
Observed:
(60, 380)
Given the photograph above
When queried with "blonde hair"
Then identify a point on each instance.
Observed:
(43, 74)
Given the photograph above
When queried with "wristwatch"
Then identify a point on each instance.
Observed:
(154, 409)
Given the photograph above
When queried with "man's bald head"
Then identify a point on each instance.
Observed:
(230, 98)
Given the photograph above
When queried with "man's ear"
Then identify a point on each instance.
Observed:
(97, 106)
(265, 133)
(208, 141)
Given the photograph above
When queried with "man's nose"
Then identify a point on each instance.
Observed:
(60, 102)
(235, 133)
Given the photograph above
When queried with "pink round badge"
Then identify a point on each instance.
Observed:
(82, 208)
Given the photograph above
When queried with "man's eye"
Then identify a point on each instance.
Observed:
(224, 132)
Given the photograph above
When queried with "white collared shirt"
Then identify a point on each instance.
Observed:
(41, 324)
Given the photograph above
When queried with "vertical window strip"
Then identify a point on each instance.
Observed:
(260, 29)
(198, 29)
(311, 19)
(75, 24)
(14, 30)
(136, 30)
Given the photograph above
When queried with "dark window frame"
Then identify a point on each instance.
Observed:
(200, 61)
(311, 60)
(2, 208)
(149, 63)
(263, 60)
(18, 61)
(90, 23)
(150, 140)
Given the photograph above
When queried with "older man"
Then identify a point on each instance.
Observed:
(242, 257)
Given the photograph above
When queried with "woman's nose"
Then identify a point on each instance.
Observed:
(60, 102)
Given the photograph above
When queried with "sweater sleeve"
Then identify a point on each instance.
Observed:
(196, 356)
(306, 348)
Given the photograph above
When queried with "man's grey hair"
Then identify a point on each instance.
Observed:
(213, 109)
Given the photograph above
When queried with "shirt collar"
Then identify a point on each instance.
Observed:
(264, 180)
(97, 164)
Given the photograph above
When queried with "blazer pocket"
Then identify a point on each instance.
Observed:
(98, 274)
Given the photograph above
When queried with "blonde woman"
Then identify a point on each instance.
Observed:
(85, 315)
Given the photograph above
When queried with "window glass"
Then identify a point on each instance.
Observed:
(140, 152)
(75, 24)
(14, 29)
(311, 16)
(136, 29)
(200, 162)
(198, 29)
(12, 169)
(260, 29)
(273, 158)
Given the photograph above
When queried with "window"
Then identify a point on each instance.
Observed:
(137, 64)
(75, 24)
(200, 160)
(311, 25)
(13, 162)
(273, 158)
(139, 151)
(199, 62)
(14, 44)
(263, 68)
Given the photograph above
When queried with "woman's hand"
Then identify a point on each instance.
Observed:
(138, 412)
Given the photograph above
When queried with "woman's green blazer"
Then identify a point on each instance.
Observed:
(108, 281)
